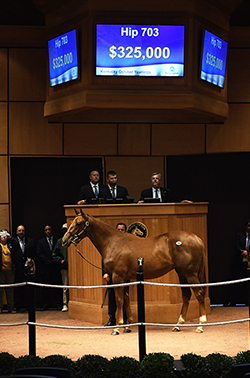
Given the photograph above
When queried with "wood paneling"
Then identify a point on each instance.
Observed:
(27, 74)
(134, 172)
(30, 133)
(178, 139)
(4, 217)
(3, 74)
(234, 135)
(238, 75)
(4, 193)
(90, 139)
(3, 128)
(134, 139)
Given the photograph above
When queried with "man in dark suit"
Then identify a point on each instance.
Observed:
(112, 190)
(92, 190)
(239, 292)
(26, 249)
(156, 191)
(49, 270)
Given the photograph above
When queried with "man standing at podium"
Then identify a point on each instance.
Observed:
(92, 190)
(156, 191)
(112, 190)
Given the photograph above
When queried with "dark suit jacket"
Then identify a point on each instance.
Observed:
(45, 254)
(20, 257)
(86, 193)
(240, 244)
(121, 192)
(165, 194)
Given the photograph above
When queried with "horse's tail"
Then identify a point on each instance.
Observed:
(202, 270)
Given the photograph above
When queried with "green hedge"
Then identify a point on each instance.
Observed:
(156, 365)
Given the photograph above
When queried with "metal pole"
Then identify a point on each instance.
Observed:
(141, 310)
(32, 315)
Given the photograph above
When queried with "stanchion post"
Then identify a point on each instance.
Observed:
(141, 310)
(32, 315)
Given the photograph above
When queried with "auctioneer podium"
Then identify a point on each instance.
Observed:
(162, 304)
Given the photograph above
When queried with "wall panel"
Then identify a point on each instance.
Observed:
(3, 127)
(90, 139)
(233, 135)
(238, 79)
(177, 139)
(4, 217)
(30, 132)
(4, 196)
(27, 73)
(134, 139)
(134, 172)
(3, 74)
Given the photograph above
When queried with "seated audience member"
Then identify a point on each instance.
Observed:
(8, 249)
(121, 227)
(91, 190)
(112, 190)
(26, 249)
(49, 270)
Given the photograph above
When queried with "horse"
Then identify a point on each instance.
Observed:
(177, 250)
(29, 266)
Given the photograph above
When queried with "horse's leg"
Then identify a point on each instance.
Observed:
(200, 296)
(186, 294)
(127, 308)
(119, 298)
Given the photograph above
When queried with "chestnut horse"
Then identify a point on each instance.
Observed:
(177, 250)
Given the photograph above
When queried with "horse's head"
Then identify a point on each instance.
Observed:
(77, 230)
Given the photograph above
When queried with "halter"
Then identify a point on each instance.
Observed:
(76, 236)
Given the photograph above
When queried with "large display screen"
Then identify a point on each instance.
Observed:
(214, 56)
(139, 50)
(63, 60)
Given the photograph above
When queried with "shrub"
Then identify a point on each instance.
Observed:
(7, 363)
(27, 361)
(92, 366)
(195, 365)
(124, 367)
(158, 365)
(56, 360)
(242, 358)
(218, 365)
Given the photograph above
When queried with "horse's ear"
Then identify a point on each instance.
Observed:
(82, 213)
(76, 212)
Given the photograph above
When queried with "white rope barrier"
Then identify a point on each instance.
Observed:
(128, 284)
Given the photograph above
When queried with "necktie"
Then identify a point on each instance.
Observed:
(22, 245)
(96, 191)
(113, 192)
(50, 244)
(156, 193)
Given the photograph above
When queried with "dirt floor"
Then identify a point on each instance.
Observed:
(227, 339)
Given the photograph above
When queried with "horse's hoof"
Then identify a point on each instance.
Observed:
(115, 332)
(126, 330)
(199, 330)
(176, 329)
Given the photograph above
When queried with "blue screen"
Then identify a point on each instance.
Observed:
(139, 50)
(63, 60)
(214, 56)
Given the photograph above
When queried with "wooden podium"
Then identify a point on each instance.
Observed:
(162, 304)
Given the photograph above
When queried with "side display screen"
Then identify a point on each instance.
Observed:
(63, 60)
(139, 50)
(214, 56)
